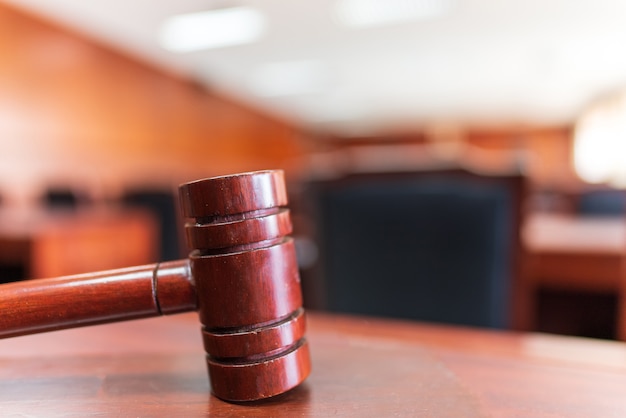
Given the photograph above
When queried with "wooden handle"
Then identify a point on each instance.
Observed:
(35, 306)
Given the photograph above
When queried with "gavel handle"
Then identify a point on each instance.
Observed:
(41, 305)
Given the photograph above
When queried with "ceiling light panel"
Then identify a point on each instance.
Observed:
(371, 13)
(212, 29)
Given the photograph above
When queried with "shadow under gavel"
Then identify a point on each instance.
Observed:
(241, 277)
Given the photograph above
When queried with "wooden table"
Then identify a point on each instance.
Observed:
(575, 253)
(361, 367)
(63, 242)
(578, 252)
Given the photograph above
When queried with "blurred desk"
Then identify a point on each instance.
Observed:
(577, 253)
(56, 243)
(361, 367)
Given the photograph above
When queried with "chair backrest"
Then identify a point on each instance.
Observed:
(162, 204)
(436, 246)
(60, 198)
(604, 202)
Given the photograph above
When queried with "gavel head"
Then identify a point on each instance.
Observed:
(249, 299)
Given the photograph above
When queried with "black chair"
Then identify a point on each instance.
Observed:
(162, 204)
(60, 198)
(436, 246)
(602, 202)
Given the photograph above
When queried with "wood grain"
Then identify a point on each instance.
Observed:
(82, 114)
(34, 306)
(248, 284)
(362, 367)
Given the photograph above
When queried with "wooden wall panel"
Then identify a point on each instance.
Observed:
(73, 111)
(546, 152)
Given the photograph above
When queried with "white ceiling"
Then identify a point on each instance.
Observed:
(486, 61)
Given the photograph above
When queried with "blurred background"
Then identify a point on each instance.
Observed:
(106, 106)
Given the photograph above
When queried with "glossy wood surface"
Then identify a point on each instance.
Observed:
(34, 306)
(362, 367)
(248, 192)
(248, 284)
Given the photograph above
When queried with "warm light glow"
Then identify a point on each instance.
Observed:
(600, 144)
(212, 29)
(369, 13)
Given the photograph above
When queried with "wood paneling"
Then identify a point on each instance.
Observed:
(546, 152)
(75, 111)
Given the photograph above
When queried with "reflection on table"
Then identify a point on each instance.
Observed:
(361, 367)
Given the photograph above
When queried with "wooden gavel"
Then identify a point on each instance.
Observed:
(241, 277)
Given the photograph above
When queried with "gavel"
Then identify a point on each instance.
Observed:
(241, 276)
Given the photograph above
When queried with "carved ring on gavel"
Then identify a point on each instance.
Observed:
(241, 277)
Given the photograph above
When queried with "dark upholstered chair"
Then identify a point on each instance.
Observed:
(602, 202)
(60, 198)
(435, 246)
(162, 204)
